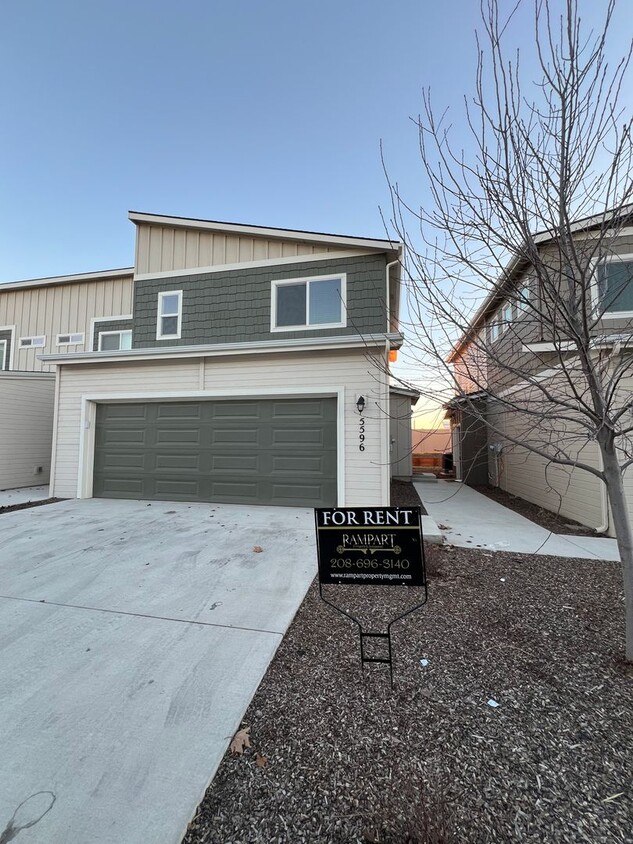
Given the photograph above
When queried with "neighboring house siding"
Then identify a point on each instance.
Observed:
(60, 309)
(109, 325)
(26, 428)
(573, 493)
(234, 306)
(366, 472)
(166, 248)
(400, 437)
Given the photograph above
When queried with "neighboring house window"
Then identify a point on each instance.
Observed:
(32, 342)
(113, 341)
(4, 357)
(523, 298)
(308, 303)
(506, 316)
(615, 285)
(69, 339)
(169, 315)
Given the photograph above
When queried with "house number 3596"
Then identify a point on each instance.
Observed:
(361, 434)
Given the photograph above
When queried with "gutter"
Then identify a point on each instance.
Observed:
(392, 340)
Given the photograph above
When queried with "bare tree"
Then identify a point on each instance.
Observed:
(520, 294)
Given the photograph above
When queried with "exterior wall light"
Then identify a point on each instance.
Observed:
(360, 404)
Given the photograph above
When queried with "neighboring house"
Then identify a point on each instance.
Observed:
(514, 338)
(232, 363)
(64, 314)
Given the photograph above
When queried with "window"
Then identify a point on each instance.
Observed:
(506, 316)
(524, 296)
(113, 341)
(615, 285)
(69, 339)
(32, 342)
(169, 315)
(4, 357)
(308, 303)
(494, 329)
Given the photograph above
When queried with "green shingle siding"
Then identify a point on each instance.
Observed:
(235, 306)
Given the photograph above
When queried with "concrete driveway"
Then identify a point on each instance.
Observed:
(132, 638)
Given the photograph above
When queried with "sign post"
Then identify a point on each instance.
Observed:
(371, 546)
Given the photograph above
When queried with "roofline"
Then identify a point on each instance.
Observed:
(266, 231)
(65, 279)
(361, 341)
(584, 224)
(405, 391)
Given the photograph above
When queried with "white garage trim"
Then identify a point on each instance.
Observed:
(89, 416)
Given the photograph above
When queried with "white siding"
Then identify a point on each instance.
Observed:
(572, 492)
(366, 472)
(26, 428)
(165, 248)
(60, 309)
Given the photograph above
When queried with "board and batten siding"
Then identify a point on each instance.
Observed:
(26, 428)
(54, 309)
(573, 493)
(165, 248)
(366, 472)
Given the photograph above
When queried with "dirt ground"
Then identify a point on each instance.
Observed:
(337, 756)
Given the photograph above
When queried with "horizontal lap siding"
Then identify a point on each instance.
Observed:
(365, 471)
(574, 493)
(26, 430)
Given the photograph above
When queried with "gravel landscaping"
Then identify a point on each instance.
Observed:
(337, 756)
(545, 518)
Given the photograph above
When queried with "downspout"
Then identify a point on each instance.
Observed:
(604, 501)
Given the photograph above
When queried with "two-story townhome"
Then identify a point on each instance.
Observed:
(232, 363)
(524, 338)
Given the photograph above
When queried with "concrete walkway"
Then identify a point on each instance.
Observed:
(133, 635)
(471, 520)
(24, 495)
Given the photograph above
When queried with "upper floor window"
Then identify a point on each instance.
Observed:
(615, 285)
(169, 315)
(69, 339)
(32, 342)
(308, 303)
(4, 354)
(114, 341)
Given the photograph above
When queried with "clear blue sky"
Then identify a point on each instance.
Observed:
(266, 113)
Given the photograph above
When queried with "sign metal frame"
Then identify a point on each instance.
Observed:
(386, 533)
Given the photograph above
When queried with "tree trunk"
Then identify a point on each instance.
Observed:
(623, 532)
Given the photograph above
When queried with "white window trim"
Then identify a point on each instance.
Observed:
(4, 343)
(306, 280)
(160, 315)
(120, 332)
(111, 318)
(70, 341)
(627, 256)
(33, 345)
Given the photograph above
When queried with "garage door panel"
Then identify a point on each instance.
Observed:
(177, 462)
(252, 452)
(245, 437)
(234, 463)
(178, 436)
(178, 412)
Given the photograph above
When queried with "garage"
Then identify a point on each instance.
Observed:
(272, 451)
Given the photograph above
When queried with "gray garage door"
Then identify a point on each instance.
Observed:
(245, 452)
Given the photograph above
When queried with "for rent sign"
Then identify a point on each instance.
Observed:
(370, 546)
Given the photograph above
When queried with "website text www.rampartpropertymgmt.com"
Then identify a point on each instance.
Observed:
(373, 576)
